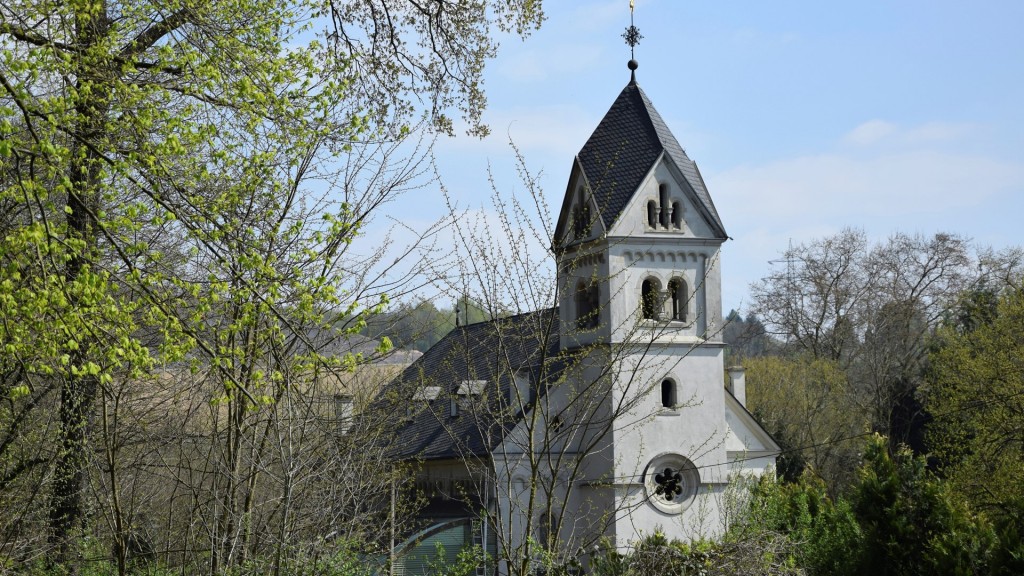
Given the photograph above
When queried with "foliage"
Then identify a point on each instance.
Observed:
(806, 404)
(912, 522)
(655, 555)
(467, 560)
(1008, 557)
(337, 558)
(976, 394)
(421, 324)
(898, 519)
(745, 337)
(866, 306)
(181, 184)
(827, 538)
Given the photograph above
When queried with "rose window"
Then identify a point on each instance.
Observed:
(671, 482)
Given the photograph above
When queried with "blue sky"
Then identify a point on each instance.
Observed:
(804, 117)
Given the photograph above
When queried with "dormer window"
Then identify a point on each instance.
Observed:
(665, 213)
(427, 393)
(472, 387)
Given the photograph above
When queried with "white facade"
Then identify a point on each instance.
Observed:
(667, 394)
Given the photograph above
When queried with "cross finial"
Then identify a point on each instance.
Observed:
(632, 36)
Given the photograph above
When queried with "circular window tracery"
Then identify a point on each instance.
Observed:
(671, 482)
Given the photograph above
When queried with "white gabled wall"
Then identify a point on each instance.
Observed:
(633, 221)
(647, 351)
(695, 429)
(637, 251)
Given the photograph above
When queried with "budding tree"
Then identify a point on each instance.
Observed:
(174, 192)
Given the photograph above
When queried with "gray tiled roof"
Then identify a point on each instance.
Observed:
(624, 148)
(489, 351)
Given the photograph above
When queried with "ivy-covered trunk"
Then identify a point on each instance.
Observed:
(80, 385)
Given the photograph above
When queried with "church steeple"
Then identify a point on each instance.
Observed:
(624, 148)
(638, 237)
(628, 144)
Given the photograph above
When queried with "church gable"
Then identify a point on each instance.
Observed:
(580, 217)
(665, 204)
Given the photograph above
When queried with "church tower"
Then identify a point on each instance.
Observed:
(638, 246)
(635, 194)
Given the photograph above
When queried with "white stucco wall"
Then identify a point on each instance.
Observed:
(706, 427)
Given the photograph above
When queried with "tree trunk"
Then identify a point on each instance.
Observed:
(78, 392)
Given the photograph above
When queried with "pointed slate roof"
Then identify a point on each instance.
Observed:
(623, 149)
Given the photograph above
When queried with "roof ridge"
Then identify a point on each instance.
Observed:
(653, 115)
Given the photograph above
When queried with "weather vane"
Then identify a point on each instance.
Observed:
(632, 36)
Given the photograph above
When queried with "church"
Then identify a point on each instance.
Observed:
(609, 416)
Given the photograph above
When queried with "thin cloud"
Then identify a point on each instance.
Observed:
(934, 132)
(907, 184)
(869, 132)
(875, 132)
(849, 188)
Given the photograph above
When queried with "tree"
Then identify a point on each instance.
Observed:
(807, 406)
(420, 325)
(160, 160)
(911, 522)
(746, 338)
(416, 326)
(975, 393)
(897, 519)
(868, 308)
(822, 531)
(812, 304)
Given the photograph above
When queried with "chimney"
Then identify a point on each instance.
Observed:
(738, 383)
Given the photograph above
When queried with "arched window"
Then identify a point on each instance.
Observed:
(677, 292)
(663, 199)
(581, 305)
(587, 305)
(649, 299)
(666, 212)
(668, 394)
(581, 216)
